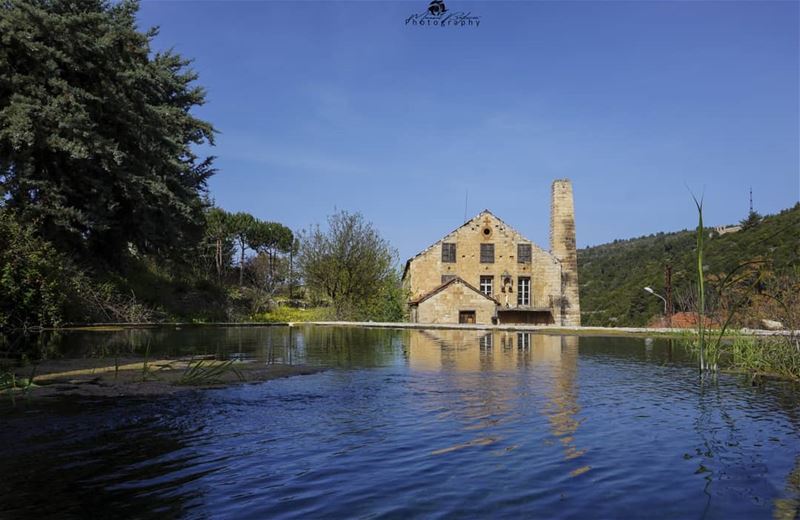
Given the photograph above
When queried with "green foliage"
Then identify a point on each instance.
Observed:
(96, 130)
(353, 266)
(97, 167)
(147, 289)
(270, 237)
(767, 355)
(36, 282)
(612, 275)
(242, 225)
(778, 356)
(390, 303)
(269, 270)
(285, 314)
(218, 240)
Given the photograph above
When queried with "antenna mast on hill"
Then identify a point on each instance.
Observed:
(751, 199)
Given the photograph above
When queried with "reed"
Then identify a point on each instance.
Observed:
(206, 372)
(701, 291)
(710, 350)
(146, 370)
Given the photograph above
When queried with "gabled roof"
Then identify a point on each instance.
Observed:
(447, 284)
(467, 223)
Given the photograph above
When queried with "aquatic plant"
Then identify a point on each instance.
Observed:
(146, 370)
(205, 372)
(13, 384)
(701, 293)
(764, 356)
(755, 355)
(729, 288)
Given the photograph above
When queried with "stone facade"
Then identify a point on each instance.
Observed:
(526, 282)
(452, 302)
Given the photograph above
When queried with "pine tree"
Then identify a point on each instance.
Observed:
(753, 218)
(96, 131)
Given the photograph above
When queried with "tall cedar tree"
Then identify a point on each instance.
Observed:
(96, 133)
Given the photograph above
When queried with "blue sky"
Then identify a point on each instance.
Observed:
(340, 105)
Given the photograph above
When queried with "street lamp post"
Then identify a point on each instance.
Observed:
(651, 291)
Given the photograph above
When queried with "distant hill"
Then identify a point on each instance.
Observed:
(612, 276)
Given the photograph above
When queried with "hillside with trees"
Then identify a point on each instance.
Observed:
(764, 257)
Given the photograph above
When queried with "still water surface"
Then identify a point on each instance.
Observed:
(410, 424)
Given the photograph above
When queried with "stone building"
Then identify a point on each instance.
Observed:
(486, 272)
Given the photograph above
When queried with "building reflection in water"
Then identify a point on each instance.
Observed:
(555, 358)
(469, 350)
(563, 408)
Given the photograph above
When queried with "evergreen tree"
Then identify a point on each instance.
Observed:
(96, 131)
(242, 226)
(753, 218)
(219, 233)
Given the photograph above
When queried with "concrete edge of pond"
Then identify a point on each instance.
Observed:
(543, 329)
(547, 329)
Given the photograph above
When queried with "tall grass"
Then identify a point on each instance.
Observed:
(764, 356)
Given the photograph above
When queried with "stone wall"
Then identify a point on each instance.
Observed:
(563, 247)
(444, 306)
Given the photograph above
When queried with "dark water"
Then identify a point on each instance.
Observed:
(410, 424)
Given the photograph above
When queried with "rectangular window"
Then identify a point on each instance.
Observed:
(466, 317)
(523, 290)
(448, 253)
(486, 285)
(523, 253)
(487, 253)
(524, 340)
(447, 277)
(486, 341)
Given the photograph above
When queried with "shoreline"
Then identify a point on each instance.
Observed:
(519, 327)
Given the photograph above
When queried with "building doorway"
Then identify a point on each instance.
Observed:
(466, 317)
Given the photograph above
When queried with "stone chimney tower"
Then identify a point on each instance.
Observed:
(562, 246)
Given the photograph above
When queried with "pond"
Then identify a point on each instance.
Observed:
(408, 423)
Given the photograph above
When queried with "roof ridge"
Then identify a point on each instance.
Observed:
(467, 222)
(444, 285)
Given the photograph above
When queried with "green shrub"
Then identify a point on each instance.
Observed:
(36, 282)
